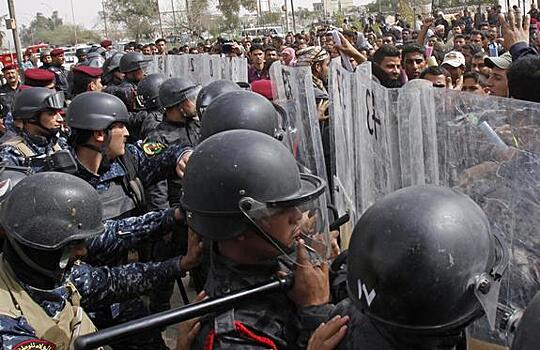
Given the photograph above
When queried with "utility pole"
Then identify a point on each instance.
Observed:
(73, 20)
(11, 23)
(293, 17)
(105, 19)
(159, 16)
(174, 17)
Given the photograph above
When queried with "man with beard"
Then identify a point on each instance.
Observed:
(319, 60)
(256, 70)
(478, 64)
(454, 63)
(387, 66)
(414, 60)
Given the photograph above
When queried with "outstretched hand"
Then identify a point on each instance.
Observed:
(516, 29)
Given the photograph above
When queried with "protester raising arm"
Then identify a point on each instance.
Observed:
(516, 34)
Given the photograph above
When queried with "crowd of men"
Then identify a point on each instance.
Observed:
(115, 184)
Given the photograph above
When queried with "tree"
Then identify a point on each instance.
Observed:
(231, 9)
(138, 17)
(52, 30)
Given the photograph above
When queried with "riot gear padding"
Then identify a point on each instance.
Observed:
(133, 61)
(109, 66)
(48, 211)
(240, 110)
(526, 337)
(28, 103)
(235, 177)
(148, 91)
(212, 91)
(176, 90)
(422, 260)
(96, 111)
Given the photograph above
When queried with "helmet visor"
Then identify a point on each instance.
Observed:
(284, 221)
(55, 101)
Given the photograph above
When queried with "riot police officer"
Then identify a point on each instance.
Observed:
(212, 91)
(109, 284)
(37, 307)
(81, 54)
(38, 110)
(243, 191)
(111, 72)
(119, 173)
(150, 112)
(422, 265)
(132, 64)
(177, 96)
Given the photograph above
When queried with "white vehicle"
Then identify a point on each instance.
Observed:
(260, 31)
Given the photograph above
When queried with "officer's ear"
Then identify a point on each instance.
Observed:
(99, 136)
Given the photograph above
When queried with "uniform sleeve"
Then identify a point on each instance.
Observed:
(308, 319)
(162, 166)
(123, 234)
(11, 156)
(107, 285)
(16, 331)
(521, 49)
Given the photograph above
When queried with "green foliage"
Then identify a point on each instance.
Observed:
(52, 30)
(271, 18)
(231, 9)
(138, 17)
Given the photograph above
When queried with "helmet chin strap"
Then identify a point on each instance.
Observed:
(49, 132)
(105, 161)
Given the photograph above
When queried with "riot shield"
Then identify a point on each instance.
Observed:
(201, 69)
(486, 147)
(294, 95)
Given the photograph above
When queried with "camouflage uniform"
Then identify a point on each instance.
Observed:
(124, 234)
(95, 285)
(38, 144)
(260, 323)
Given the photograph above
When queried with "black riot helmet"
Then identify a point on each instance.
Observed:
(96, 111)
(148, 91)
(9, 177)
(422, 261)
(110, 65)
(28, 103)
(133, 61)
(240, 110)
(238, 177)
(177, 90)
(212, 91)
(526, 336)
(43, 216)
(81, 53)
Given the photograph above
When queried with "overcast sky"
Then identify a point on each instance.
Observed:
(86, 11)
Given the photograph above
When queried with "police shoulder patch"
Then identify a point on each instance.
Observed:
(153, 148)
(35, 344)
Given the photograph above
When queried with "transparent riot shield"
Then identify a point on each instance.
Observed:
(487, 147)
(295, 98)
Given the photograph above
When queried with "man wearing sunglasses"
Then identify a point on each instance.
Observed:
(38, 110)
